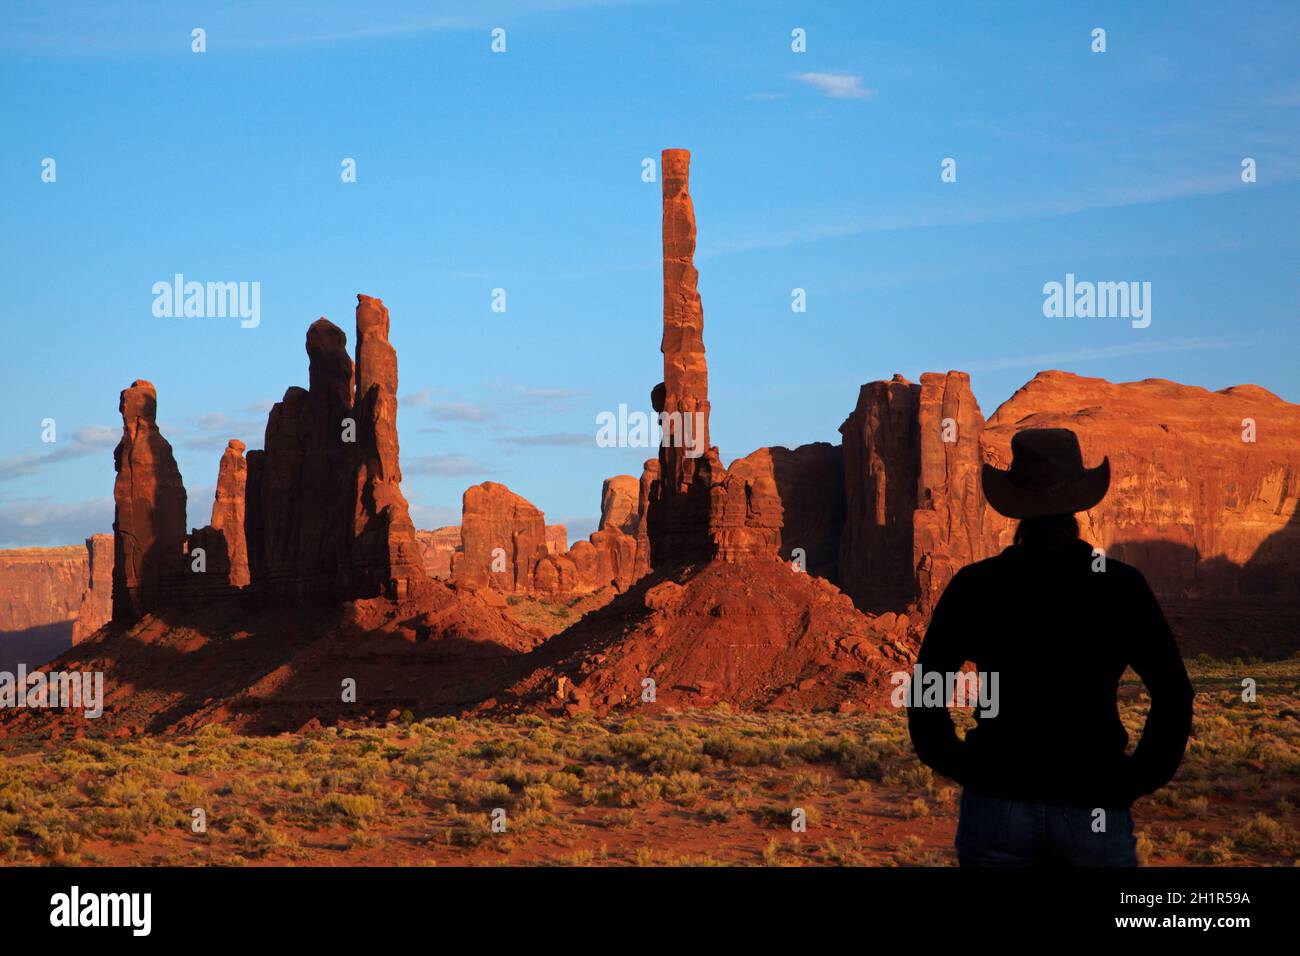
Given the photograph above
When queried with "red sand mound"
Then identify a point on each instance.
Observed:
(753, 634)
(276, 669)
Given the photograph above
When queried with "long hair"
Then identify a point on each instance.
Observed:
(1047, 530)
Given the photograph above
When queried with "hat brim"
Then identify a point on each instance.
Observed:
(1015, 501)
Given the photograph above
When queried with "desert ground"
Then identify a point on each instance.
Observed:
(690, 788)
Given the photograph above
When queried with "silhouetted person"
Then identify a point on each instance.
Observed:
(1058, 625)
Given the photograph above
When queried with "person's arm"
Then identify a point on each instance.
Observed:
(934, 736)
(1156, 660)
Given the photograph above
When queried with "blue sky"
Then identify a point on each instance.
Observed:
(522, 170)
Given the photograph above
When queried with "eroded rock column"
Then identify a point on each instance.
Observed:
(149, 507)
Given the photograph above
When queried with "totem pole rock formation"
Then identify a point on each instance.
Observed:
(386, 558)
(679, 506)
(790, 502)
(149, 512)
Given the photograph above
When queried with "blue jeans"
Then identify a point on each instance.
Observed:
(997, 832)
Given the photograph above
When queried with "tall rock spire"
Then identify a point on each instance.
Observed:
(149, 507)
(679, 506)
(300, 489)
(228, 509)
(386, 556)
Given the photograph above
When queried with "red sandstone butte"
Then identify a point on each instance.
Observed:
(228, 509)
(386, 556)
(557, 538)
(1200, 509)
(679, 506)
(619, 504)
(149, 499)
(502, 537)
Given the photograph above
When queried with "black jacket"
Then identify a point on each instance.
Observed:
(1059, 635)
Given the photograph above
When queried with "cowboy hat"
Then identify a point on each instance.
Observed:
(1046, 476)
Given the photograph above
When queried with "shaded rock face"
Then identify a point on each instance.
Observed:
(1201, 511)
(881, 454)
(254, 514)
(386, 558)
(207, 563)
(306, 479)
(436, 548)
(325, 514)
(645, 491)
(679, 505)
(228, 510)
(794, 502)
(149, 514)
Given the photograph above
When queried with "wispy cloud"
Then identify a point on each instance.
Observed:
(461, 412)
(429, 517)
(552, 439)
(40, 522)
(838, 86)
(87, 440)
(444, 465)
(422, 398)
(1152, 191)
(212, 430)
(578, 527)
(506, 401)
(1141, 347)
